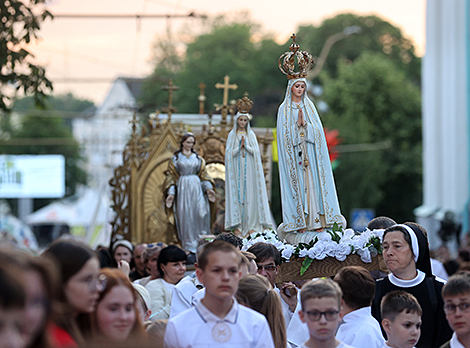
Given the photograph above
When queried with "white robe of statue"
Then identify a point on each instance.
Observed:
(309, 199)
(246, 199)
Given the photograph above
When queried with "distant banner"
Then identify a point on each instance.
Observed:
(25, 176)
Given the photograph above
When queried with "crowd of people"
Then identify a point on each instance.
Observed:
(143, 296)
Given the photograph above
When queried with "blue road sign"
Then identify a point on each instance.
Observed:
(360, 218)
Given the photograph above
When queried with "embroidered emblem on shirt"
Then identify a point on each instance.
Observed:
(221, 332)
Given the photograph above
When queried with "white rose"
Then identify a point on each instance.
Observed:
(342, 251)
(324, 236)
(378, 233)
(365, 255)
(312, 254)
(330, 249)
(348, 234)
(287, 252)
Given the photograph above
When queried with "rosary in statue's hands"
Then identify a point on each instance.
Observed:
(243, 141)
(169, 201)
(301, 120)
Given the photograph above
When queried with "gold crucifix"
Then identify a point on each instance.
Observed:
(226, 86)
(201, 98)
(170, 109)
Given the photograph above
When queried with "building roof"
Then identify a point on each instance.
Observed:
(134, 84)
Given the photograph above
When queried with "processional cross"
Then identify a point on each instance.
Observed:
(170, 110)
(134, 123)
(226, 86)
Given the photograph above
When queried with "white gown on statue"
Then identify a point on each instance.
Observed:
(246, 199)
(308, 192)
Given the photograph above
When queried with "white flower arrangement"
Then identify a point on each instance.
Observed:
(331, 243)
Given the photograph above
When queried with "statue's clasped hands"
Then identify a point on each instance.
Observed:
(301, 119)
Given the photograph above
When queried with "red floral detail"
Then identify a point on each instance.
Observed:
(332, 140)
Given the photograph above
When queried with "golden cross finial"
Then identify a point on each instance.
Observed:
(170, 88)
(226, 86)
(134, 123)
(202, 97)
(294, 47)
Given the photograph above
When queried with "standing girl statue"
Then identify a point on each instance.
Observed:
(309, 200)
(190, 188)
(246, 200)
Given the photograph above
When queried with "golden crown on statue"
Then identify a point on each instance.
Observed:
(245, 104)
(304, 59)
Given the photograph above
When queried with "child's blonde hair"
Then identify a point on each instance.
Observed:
(256, 292)
(320, 288)
(217, 245)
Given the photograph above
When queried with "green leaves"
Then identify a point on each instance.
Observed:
(372, 101)
(20, 24)
(376, 244)
(305, 265)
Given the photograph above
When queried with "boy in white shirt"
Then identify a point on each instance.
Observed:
(321, 311)
(456, 294)
(359, 327)
(218, 320)
(401, 319)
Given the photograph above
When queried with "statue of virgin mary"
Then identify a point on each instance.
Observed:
(246, 200)
(309, 199)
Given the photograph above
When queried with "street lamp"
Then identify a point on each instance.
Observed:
(354, 29)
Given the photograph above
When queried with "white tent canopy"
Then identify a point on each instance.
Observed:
(88, 214)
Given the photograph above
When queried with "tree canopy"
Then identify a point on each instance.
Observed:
(376, 35)
(226, 50)
(372, 102)
(20, 24)
(39, 131)
(371, 82)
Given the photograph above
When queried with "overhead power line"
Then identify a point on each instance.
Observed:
(39, 141)
(125, 16)
(82, 79)
(363, 147)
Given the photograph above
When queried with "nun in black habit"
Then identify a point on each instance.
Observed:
(406, 254)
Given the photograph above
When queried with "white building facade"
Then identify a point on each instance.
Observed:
(104, 135)
(445, 96)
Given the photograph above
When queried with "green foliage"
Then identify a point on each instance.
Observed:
(371, 84)
(375, 243)
(152, 97)
(305, 265)
(64, 102)
(34, 127)
(20, 24)
(372, 101)
(45, 131)
(336, 232)
(226, 50)
(376, 35)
